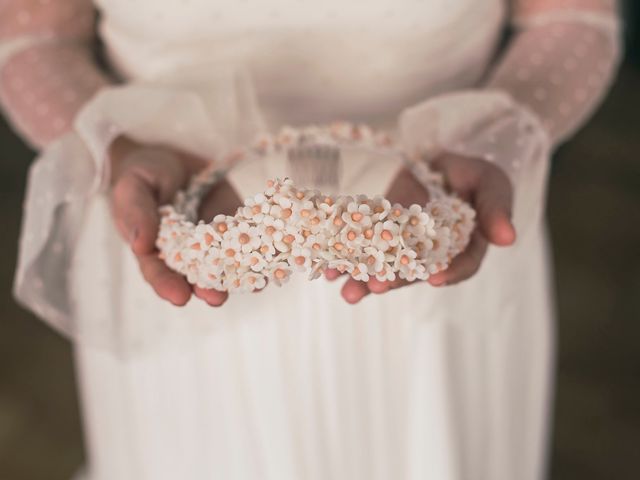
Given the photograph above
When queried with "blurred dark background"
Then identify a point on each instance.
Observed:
(594, 199)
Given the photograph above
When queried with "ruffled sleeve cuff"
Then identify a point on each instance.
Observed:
(490, 125)
(205, 117)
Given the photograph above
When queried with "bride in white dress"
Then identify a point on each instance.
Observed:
(423, 381)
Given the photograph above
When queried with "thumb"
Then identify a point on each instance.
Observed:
(136, 213)
(493, 203)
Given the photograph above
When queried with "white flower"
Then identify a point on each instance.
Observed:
(302, 195)
(334, 222)
(385, 235)
(418, 272)
(256, 261)
(434, 268)
(354, 238)
(243, 237)
(255, 208)
(318, 266)
(251, 281)
(374, 259)
(357, 215)
(209, 270)
(317, 243)
(336, 248)
(303, 211)
(231, 250)
(222, 223)
(279, 272)
(419, 223)
(386, 274)
(269, 221)
(341, 265)
(327, 204)
(207, 235)
(405, 261)
(282, 199)
(193, 251)
(271, 189)
(316, 222)
(284, 187)
(300, 258)
(398, 214)
(380, 208)
(267, 229)
(214, 282)
(360, 272)
(284, 240)
(440, 244)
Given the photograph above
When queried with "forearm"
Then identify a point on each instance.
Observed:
(560, 69)
(42, 89)
(47, 69)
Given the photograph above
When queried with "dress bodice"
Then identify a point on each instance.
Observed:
(312, 61)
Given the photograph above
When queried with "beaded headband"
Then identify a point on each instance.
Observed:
(287, 228)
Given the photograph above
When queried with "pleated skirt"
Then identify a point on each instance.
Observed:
(292, 383)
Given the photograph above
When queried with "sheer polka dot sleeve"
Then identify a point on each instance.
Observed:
(47, 72)
(561, 60)
(555, 70)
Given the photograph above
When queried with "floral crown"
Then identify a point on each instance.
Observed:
(287, 228)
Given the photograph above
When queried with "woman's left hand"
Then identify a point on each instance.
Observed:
(477, 181)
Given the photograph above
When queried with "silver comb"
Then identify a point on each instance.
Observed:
(315, 165)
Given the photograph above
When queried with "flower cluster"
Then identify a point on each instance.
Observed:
(287, 229)
(341, 132)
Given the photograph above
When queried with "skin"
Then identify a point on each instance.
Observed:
(141, 183)
(479, 182)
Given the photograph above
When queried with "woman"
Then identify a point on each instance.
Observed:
(294, 383)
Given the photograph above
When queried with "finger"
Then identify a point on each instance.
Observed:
(407, 190)
(168, 284)
(162, 169)
(136, 213)
(354, 290)
(464, 265)
(210, 296)
(376, 286)
(493, 202)
(331, 274)
(222, 199)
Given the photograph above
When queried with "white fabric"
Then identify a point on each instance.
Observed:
(292, 383)
(486, 124)
(207, 114)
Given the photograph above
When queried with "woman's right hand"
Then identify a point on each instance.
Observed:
(142, 179)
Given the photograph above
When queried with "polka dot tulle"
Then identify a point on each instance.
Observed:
(556, 67)
(61, 19)
(551, 77)
(559, 69)
(44, 85)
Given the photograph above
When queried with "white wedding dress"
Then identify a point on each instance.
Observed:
(292, 383)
